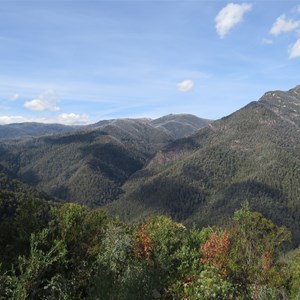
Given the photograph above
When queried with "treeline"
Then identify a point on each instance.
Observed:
(70, 252)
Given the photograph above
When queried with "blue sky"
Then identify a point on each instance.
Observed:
(82, 61)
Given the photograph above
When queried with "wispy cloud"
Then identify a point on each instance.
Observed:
(265, 41)
(295, 50)
(185, 85)
(15, 97)
(230, 16)
(45, 101)
(283, 25)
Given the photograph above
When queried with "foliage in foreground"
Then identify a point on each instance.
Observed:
(81, 254)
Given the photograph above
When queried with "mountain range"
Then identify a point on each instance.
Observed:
(195, 170)
(89, 165)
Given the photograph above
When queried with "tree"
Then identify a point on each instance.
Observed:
(256, 244)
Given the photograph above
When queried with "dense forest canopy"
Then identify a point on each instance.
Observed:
(67, 251)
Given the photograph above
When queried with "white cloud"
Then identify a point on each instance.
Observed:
(185, 85)
(283, 25)
(72, 119)
(295, 50)
(45, 101)
(12, 119)
(15, 97)
(229, 16)
(265, 41)
(40, 105)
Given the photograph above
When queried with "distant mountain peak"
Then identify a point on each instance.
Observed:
(180, 125)
(297, 87)
(286, 104)
(295, 90)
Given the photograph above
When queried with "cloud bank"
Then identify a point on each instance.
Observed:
(12, 119)
(64, 118)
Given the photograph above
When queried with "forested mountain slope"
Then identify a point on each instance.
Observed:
(252, 154)
(89, 165)
(86, 166)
